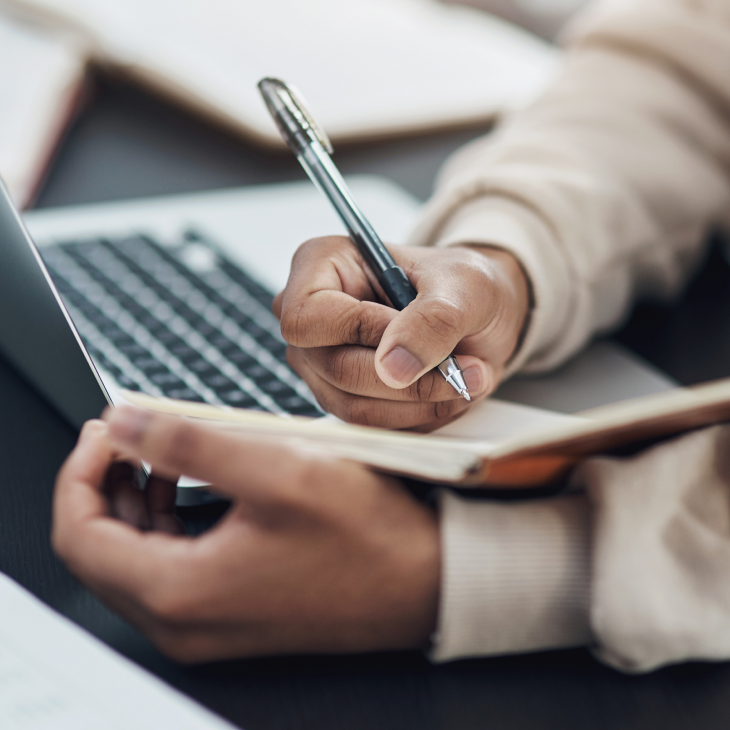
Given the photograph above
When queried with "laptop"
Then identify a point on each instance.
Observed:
(170, 296)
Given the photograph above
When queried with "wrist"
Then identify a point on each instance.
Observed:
(417, 555)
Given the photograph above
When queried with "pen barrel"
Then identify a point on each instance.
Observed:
(327, 178)
(398, 288)
(323, 173)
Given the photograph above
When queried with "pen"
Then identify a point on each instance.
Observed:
(312, 148)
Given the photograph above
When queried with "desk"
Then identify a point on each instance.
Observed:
(128, 144)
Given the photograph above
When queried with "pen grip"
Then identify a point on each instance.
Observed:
(399, 289)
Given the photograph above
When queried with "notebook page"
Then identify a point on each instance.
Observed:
(367, 67)
(494, 421)
(446, 455)
(56, 676)
(39, 84)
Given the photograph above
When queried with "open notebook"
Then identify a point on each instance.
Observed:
(527, 448)
(367, 67)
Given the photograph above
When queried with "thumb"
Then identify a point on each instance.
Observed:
(421, 337)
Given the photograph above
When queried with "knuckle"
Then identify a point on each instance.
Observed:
(312, 246)
(438, 414)
(183, 647)
(356, 411)
(424, 387)
(368, 326)
(310, 473)
(181, 446)
(445, 409)
(347, 369)
(441, 316)
(294, 324)
(292, 496)
(336, 365)
(294, 358)
(171, 643)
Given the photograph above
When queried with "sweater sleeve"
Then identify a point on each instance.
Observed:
(604, 189)
(637, 566)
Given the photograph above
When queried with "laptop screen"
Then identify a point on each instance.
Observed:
(36, 334)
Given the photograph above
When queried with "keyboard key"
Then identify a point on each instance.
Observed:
(218, 381)
(238, 398)
(159, 320)
(183, 394)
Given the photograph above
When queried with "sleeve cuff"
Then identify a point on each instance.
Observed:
(516, 576)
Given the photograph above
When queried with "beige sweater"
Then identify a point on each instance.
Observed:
(604, 189)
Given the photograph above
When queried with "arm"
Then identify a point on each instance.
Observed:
(600, 193)
(314, 555)
(605, 188)
(604, 191)
(638, 567)
(323, 556)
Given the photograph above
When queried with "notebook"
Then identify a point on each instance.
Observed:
(521, 449)
(41, 76)
(368, 68)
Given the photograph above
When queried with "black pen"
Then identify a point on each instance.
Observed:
(312, 148)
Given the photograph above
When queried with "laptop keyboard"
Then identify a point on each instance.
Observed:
(183, 322)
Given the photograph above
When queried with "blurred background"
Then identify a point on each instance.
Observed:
(159, 96)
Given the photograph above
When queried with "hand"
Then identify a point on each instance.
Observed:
(314, 555)
(369, 364)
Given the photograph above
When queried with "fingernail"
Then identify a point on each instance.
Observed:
(474, 379)
(401, 365)
(92, 428)
(127, 425)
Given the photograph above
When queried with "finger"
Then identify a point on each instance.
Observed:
(471, 299)
(334, 318)
(95, 546)
(87, 464)
(240, 466)
(329, 299)
(160, 494)
(351, 369)
(126, 500)
(424, 334)
(364, 411)
(276, 305)
(329, 263)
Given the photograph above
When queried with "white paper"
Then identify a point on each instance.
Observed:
(56, 676)
(40, 75)
(367, 67)
(603, 373)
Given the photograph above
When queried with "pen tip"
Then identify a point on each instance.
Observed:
(466, 395)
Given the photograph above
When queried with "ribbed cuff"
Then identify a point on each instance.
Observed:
(500, 222)
(516, 576)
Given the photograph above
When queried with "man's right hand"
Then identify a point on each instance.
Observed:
(370, 364)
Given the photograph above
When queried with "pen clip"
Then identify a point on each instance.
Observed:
(294, 103)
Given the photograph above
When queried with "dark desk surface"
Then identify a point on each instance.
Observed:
(126, 144)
